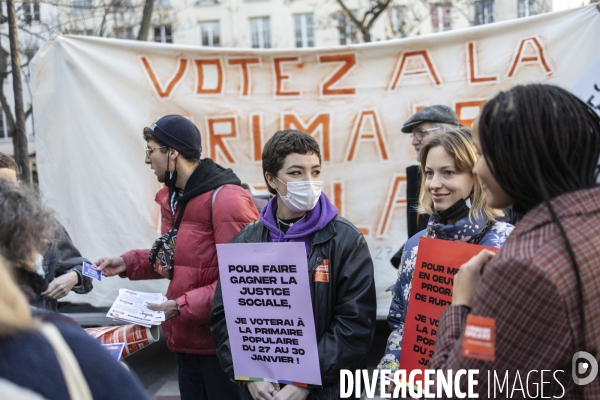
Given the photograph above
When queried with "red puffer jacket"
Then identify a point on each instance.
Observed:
(196, 269)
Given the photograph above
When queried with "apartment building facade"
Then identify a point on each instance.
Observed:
(321, 23)
(245, 24)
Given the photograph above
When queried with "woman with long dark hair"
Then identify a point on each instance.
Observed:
(539, 147)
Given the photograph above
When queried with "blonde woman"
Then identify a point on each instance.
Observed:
(455, 199)
(30, 351)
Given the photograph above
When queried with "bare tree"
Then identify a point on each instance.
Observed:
(403, 19)
(112, 18)
(146, 19)
(365, 23)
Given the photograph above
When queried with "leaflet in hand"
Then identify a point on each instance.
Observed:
(132, 307)
(91, 271)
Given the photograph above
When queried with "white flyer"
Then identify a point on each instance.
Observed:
(132, 306)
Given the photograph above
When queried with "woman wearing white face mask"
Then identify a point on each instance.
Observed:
(339, 264)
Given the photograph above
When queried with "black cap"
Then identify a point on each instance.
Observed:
(178, 133)
(438, 113)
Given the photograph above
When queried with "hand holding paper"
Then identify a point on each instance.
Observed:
(169, 307)
(465, 281)
(261, 390)
(131, 306)
(111, 266)
(291, 392)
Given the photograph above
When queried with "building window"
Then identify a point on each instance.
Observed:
(81, 6)
(527, 8)
(484, 12)
(210, 33)
(162, 3)
(305, 31)
(348, 32)
(162, 34)
(31, 11)
(260, 32)
(396, 21)
(441, 17)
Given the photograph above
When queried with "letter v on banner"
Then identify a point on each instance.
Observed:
(171, 83)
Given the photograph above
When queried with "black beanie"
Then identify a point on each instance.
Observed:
(178, 133)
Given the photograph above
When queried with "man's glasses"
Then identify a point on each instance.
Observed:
(149, 150)
(420, 133)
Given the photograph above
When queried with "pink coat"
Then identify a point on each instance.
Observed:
(196, 269)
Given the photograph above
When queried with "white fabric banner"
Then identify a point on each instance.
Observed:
(92, 98)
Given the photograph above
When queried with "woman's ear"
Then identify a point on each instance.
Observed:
(270, 180)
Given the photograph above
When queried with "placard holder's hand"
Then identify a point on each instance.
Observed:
(170, 308)
(261, 390)
(465, 281)
(391, 384)
(291, 392)
(111, 266)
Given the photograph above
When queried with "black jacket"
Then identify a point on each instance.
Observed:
(60, 258)
(345, 308)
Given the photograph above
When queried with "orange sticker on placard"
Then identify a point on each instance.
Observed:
(479, 338)
(322, 272)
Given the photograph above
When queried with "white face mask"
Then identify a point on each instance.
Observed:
(39, 265)
(301, 196)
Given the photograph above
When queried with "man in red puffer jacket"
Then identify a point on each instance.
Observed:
(192, 224)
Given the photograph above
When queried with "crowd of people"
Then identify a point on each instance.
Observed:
(523, 179)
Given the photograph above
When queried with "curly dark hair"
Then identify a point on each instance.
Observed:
(283, 143)
(26, 226)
